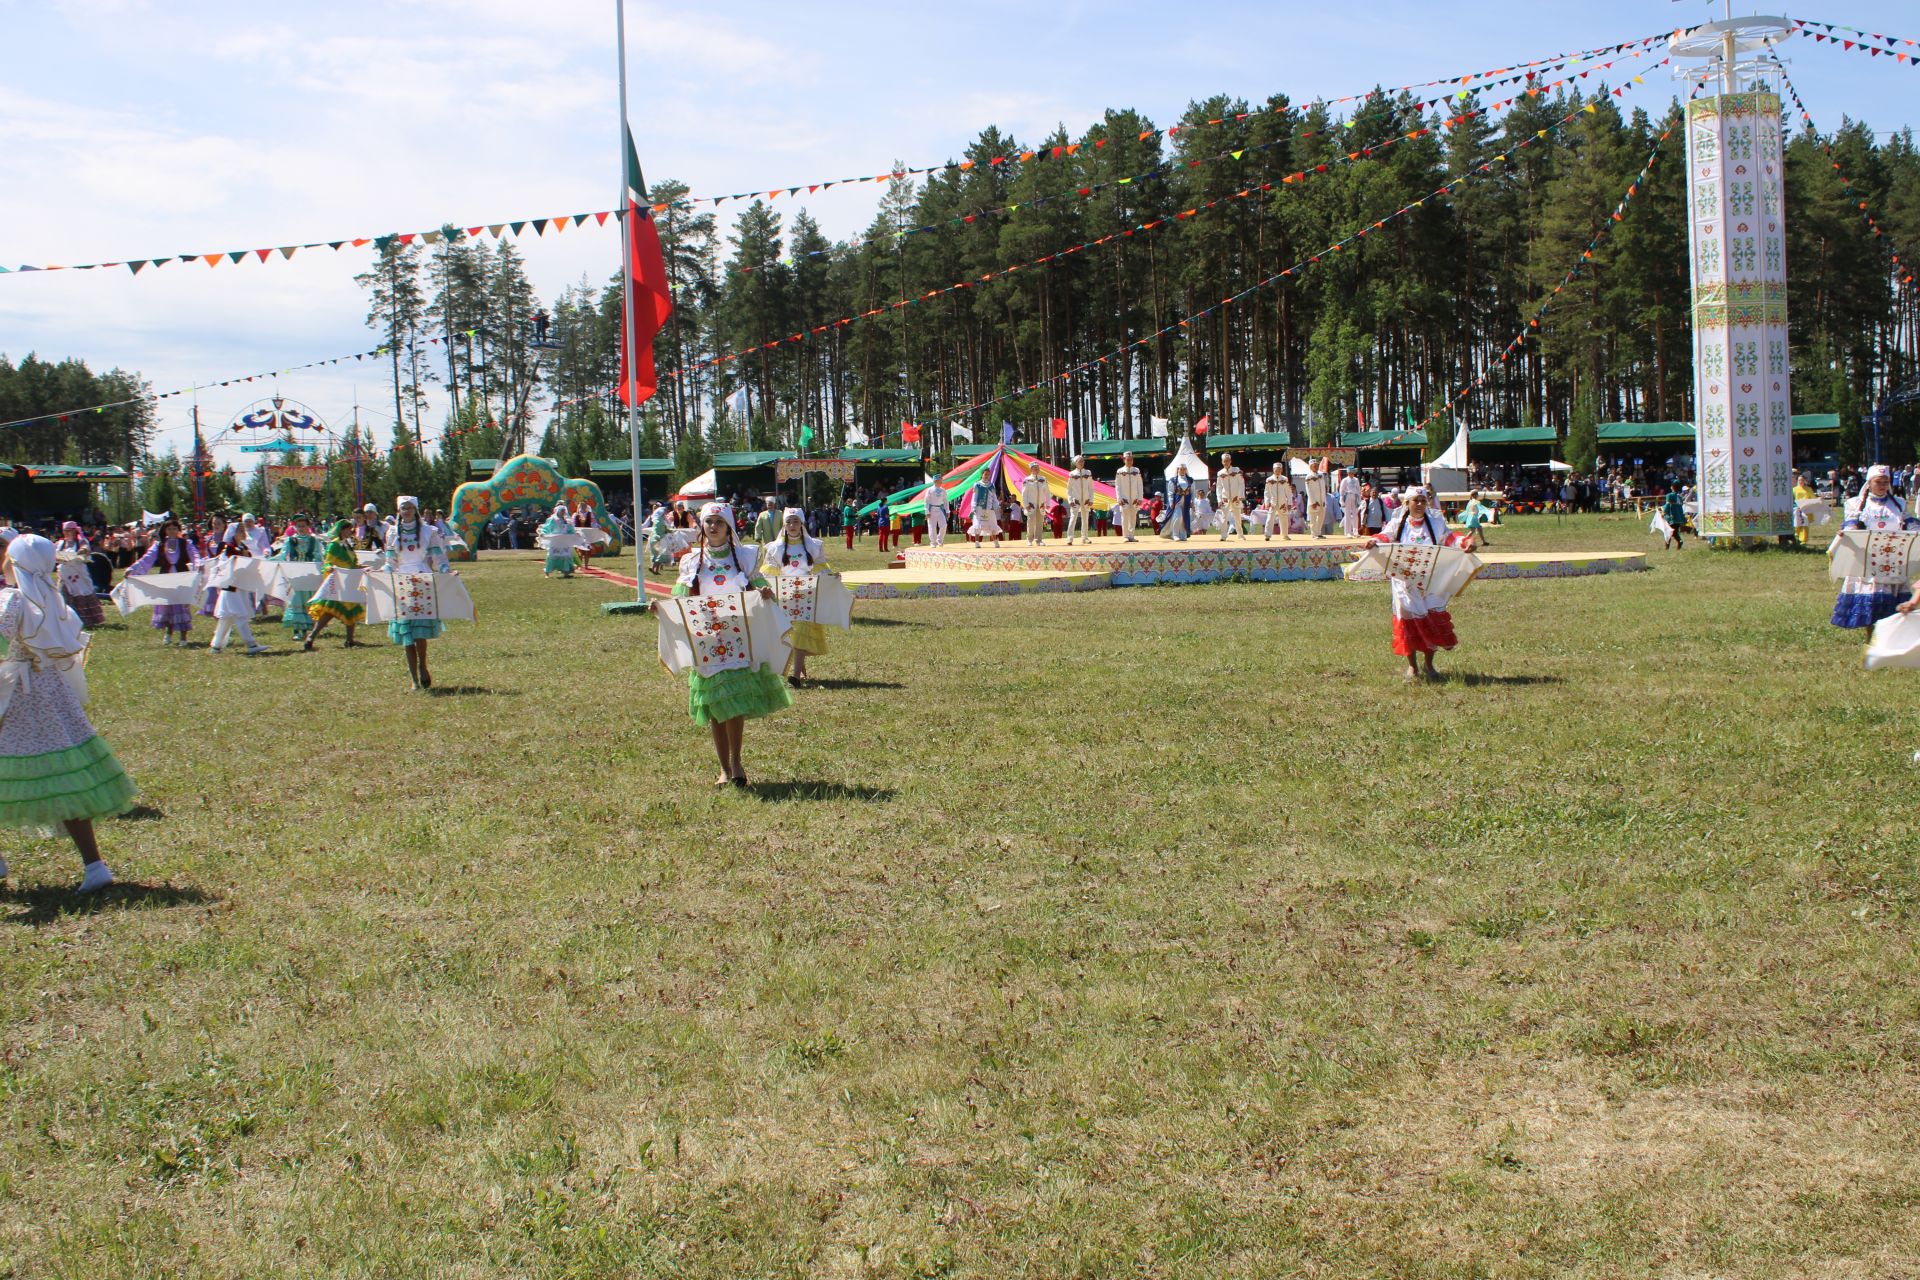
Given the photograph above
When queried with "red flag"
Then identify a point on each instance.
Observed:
(1203, 426)
(909, 433)
(1059, 428)
(643, 313)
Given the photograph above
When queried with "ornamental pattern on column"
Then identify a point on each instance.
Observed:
(1737, 238)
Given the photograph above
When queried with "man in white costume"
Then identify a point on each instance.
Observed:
(1079, 501)
(1131, 492)
(1316, 483)
(1230, 487)
(1349, 491)
(1279, 500)
(935, 499)
(1033, 500)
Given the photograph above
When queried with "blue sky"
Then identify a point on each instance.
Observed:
(134, 129)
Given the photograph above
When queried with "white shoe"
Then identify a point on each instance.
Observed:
(98, 877)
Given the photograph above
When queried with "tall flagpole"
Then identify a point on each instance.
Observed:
(627, 308)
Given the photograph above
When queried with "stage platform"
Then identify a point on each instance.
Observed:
(1153, 559)
(1496, 565)
(939, 582)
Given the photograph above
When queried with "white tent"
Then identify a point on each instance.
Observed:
(703, 485)
(1448, 472)
(1186, 457)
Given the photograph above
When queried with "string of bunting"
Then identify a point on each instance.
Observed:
(561, 222)
(1351, 157)
(1338, 246)
(1862, 45)
(1392, 114)
(1901, 269)
(1532, 326)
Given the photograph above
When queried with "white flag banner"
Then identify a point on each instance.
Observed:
(138, 591)
(417, 597)
(711, 634)
(148, 519)
(1660, 526)
(1259, 424)
(856, 437)
(961, 433)
(1882, 555)
(737, 403)
(1158, 427)
(1895, 642)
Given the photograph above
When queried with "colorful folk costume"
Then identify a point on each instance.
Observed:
(1179, 524)
(1079, 502)
(170, 554)
(55, 771)
(984, 520)
(1230, 486)
(813, 596)
(415, 554)
(1872, 586)
(232, 577)
(1475, 517)
(1669, 520)
(1033, 502)
(727, 638)
(308, 553)
(340, 593)
(1129, 491)
(1316, 485)
(74, 554)
(559, 539)
(1426, 566)
(935, 501)
(1278, 498)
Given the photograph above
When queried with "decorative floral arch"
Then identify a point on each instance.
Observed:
(526, 483)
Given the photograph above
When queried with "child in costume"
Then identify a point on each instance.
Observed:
(300, 546)
(54, 769)
(170, 553)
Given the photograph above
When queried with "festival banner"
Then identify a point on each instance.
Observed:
(311, 477)
(840, 469)
(1335, 457)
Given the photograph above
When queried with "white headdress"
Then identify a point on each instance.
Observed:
(50, 624)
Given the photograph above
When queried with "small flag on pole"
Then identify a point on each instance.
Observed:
(1059, 428)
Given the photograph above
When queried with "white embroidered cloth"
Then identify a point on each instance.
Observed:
(137, 591)
(1880, 556)
(416, 597)
(714, 633)
(815, 597)
(1435, 574)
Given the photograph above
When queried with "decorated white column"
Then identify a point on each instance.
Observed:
(1736, 207)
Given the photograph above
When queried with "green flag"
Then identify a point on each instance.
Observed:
(1105, 430)
(1408, 410)
(806, 437)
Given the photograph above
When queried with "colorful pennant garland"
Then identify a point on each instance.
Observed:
(1464, 86)
(1902, 271)
(1859, 41)
(1338, 246)
(1350, 157)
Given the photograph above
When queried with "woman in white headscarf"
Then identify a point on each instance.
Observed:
(558, 537)
(414, 546)
(799, 555)
(1864, 601)
(727, 699)
(54, 769)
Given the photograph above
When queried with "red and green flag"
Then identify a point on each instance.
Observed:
(646, 311)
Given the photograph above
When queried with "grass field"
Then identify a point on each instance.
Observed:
(1157, 932)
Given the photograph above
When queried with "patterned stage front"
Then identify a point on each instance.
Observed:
(1151, 560)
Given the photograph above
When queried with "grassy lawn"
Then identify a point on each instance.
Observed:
(1143, 932)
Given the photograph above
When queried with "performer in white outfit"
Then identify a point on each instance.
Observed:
(1033, 500)
(1349, 491)
(1230, 487)
(935, 499)
(1131, 492)
(1079, 500)
(984, 521)
(1279, 499)
(415, 547)
(1316, 485)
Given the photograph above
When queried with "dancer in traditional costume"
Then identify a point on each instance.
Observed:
(301, 546)
(1230, 487)
(1805, 498)
(74, 554)
(170, 553)
(738, 683)
(1421, 622)
(984, 520)
(1349, 493)
(558, 537)
(1865, 600)
(1079, 501)
(1673, 514)
(415, 547)
(1316, 486)
(54, 769)
(1033, 503)
(1474, 517)
(1180, 491)
(796, 561)
(935, 501)
(1278, 499)
(1130, 491)
(233, 607)
(339, 594)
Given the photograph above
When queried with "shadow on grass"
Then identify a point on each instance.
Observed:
(886, 622)
(847, 682)
(142, 813)
(468, 691)
(48, 903)
(810, 790)
(1473, 679)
